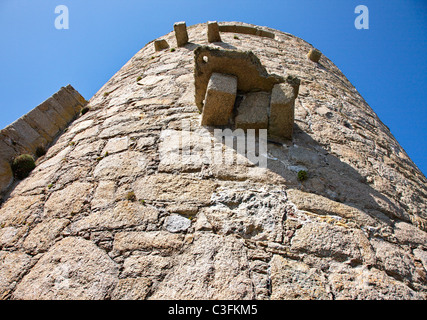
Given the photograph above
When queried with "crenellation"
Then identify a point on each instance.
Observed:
(160, 45)
(181, 34)
(213, 32)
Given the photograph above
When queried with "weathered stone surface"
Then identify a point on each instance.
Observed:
(160, 45)
(219, 101)
(126, 205)
(181, 34)
(409, 234)
(116, 145)
(176, 223)
(7, 152)
(368, 284)
(253, 111)
(44, 234)
(12, 236)
(147, 265)
(176, 189)
(125, 214)
(77, 96)
(65, 111)
(324, 206)
(282, 110)
(68, 100)
(73, 269)
(184, 150)
(20, 210)
(69, 201)
(159, 240)
(395, 261)
(212, 268)
(295, 280)
(132, 289)
(105, 194)
(326, 240)
(52, 110)
(255, 213)
(23, 134)
(12, 266)
(213, 32)
(40, 122)
(123, 164)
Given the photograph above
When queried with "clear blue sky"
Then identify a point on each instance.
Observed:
(387, 63)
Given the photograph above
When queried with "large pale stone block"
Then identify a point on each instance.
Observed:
(213, 32)
(282, 107)
(181, 34)
(160, 45)
(253, 111)
(219, 100)
(72, 269)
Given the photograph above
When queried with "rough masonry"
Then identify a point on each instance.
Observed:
(111, 211)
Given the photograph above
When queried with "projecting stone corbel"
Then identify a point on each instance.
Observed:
(266, 101)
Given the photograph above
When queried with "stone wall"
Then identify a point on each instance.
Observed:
(113, 212)
(37, 129)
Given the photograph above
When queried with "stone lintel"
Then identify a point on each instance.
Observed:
(219, 101)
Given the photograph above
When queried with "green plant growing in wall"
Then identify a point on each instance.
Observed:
(302, 175)
(23, 165)
(131, 196)
(40, 151)
(84, 110)
(139, 78)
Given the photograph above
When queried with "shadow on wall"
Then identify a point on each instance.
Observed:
(327, 177)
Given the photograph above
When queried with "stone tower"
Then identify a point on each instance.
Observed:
(125, 204)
